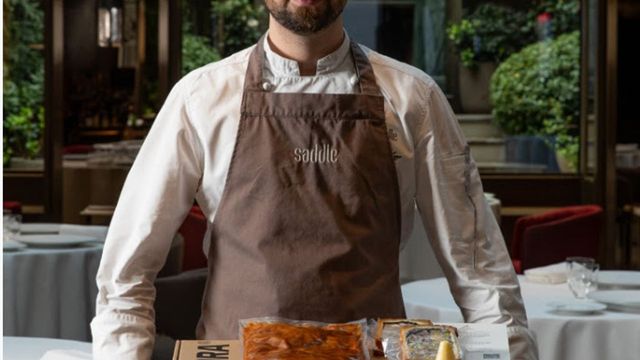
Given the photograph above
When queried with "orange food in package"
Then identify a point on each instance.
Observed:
(303, 341)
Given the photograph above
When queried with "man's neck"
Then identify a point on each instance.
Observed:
(305, 49)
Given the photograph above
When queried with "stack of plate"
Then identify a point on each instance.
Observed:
(39, 228)
(619, 280)
(619, 290)
(10, 245)
(621, 300)
(54, 240)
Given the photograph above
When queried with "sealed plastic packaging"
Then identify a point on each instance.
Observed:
(387, 336)
(283, 339)
(423, 342)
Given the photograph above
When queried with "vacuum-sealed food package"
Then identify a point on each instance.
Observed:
(277, 338)
(387, 335)
(422, 342)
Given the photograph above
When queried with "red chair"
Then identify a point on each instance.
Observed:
(192, 230)
(77, 149)
(553, 236)
(12, 207)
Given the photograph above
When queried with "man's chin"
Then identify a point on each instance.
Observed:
(305, 17)
(302, 21)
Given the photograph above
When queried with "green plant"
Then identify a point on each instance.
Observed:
(240, 23)
(491, 33)
(23, 82)
(565, 14)
(196, 52)
(197, 46)
(22, 133)
(537, 92)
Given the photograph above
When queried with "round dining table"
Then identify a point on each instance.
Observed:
(33, 348)
(560, 336)
(417, 258)
(50, 292)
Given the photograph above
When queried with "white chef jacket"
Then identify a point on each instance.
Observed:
(187, 154)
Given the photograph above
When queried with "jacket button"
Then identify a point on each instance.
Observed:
(267, 86)
(353, 80)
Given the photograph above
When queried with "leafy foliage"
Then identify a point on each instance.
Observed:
(241, 23)
(537, 91)
(23, 83)
(197, 51)
(24, 133)
(490, 33)
(493, 32)
(565, 14)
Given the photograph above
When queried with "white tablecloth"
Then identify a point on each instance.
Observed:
(417, 260)
(50, 292)
(608, 335)
(25, 348)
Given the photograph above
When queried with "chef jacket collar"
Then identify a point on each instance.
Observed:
(283, 67)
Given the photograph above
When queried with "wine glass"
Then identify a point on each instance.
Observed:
(582, 275)
(11, 225)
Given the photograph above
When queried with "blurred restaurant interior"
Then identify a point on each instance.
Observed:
(544, 92)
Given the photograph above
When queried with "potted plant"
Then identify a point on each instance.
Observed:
(484, 38)
(536, 92)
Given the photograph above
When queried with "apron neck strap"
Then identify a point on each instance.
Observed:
(253, 79)
(364, 71)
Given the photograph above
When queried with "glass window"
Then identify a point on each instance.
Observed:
(213, 29)
(23, 84)
(412, 31)
(510, 69)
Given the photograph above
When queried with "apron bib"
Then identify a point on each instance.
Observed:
(308, 226)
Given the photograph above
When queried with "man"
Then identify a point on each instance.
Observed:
(306, 153)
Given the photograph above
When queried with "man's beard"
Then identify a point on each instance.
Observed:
(305, 20)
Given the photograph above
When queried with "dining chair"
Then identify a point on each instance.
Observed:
(552, 236)
(13, 207)
(178, 303)
(177, 309)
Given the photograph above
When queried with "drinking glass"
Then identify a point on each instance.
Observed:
(11, 225)
(582, 276)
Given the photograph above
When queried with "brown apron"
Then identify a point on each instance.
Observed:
(308, 226)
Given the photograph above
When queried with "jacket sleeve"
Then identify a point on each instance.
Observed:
(463, 232)
(158, 192)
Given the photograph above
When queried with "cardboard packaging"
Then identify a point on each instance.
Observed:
(483, 341)
(207, 349)
(478, 342)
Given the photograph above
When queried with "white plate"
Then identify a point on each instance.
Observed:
(39, 228)
(54, 241)
(619, 279)
(578, 307)
(625, 300)
(10, 245)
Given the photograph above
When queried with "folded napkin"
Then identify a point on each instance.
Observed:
(550, 274)
(66, 355)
